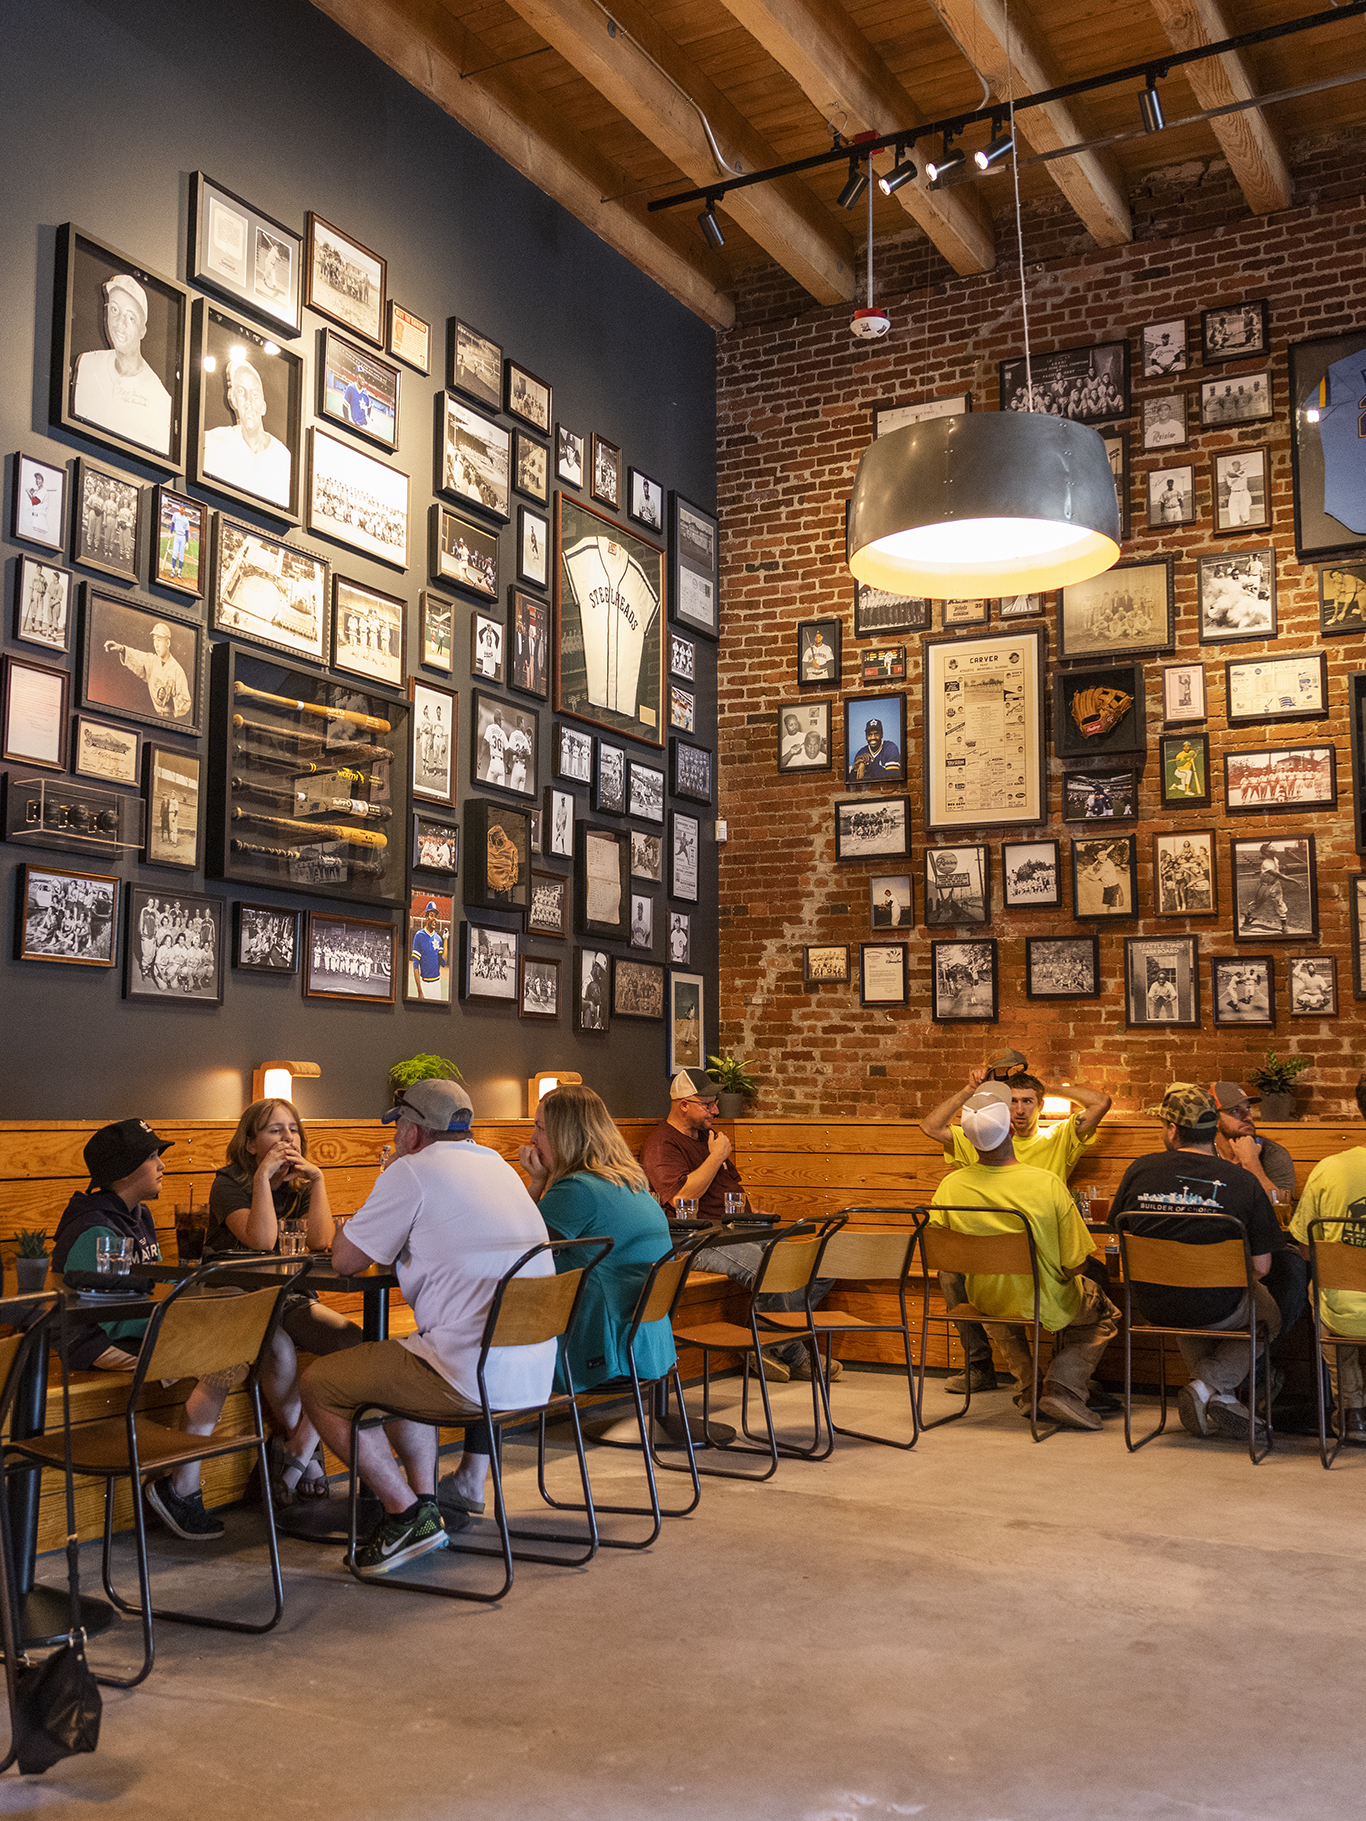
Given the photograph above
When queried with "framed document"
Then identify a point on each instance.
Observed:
(882, 973)
(983, 722)
(693, 540)
(1292, 688)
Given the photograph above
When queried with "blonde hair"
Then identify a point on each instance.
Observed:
(258, 1114)
(583, 1140)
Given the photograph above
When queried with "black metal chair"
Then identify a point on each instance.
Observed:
(1334, 1264)
(16, 1354)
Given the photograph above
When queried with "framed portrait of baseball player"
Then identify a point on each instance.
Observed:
(568, 456)
(1234, 332)
(358, 390)
(171, 830)
(504, 738)
(272, 593)
(1171, 497)
(434, 617)
(592, 991)
(609, 779)
(1164, 348)
(1062, 967)
(647, 857)
(680, 938)
(44, 604)
(1164, 422)
(557, 824)
(694, 574)
(1104, 877)
(602, 882)
(609, 612)
(265, 939)
(488, 964)
(882, 973)
(533, 547)
(434, 720)
(1031, 875)
(604, 475)
(687, 1023)
(1129, 611)
(644, 501)
(1313, 986)
(346, 281)
(38, 503)
(685, 844)
(430, 951)
(1275, 889)
(963, 982)
(1243, 989)
(1185, 874)
(1325, 448)
(142, 660)
(1237, 595)
(1099, 711)
(1240, 489)
(486, 647)
(175, 951)
(538, 987)
(1293, 688)
(1099, 796)
(106, 526)
(497, 848)
(1280, 778)
(874, 740)
(891, 901)
(246, 414)
(1162, 982)
(243, 255)
(983, 703)
(818, 654)
(529, 468)
(804, 736)
(1342, 598)
(369, 633)
(120, 351)
(957, 886)
(1183, 770)
(691, 767)
(180, 542)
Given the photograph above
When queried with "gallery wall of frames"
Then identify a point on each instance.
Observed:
(361, 593)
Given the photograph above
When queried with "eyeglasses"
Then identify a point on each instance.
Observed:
(698, 1101)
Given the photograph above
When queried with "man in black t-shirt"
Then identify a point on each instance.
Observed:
(1170, 1194)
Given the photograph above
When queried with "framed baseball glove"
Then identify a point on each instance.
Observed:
(1099, 710)
(497, 850)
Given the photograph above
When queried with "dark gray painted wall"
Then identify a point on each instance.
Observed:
(108, 106)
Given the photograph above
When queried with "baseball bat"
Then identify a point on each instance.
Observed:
(370, 721)
(314, 831)
(258, 850)
(341, 749)
(355, 806)
(303, 767)
(279, 793)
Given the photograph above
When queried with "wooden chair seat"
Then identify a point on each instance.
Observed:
(723, 1336)
(101, 1448)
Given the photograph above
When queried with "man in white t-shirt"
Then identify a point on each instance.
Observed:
(455, 1217)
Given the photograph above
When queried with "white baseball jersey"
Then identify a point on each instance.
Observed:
(617, 606)
(496, 739)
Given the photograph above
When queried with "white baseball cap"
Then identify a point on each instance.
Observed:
(986, 1116)
(122, 281)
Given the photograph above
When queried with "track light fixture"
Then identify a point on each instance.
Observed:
(901, 173)
(711, 231)
(1000, 144)
(1150, 108)
(854, 185)
(937, 169)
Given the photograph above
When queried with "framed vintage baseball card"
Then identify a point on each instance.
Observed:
(1183, 761)
(983, 729)
(609, 608)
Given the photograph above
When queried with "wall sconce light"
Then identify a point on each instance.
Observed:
(1056, 1106)
(544, 1082)
(274, 1080)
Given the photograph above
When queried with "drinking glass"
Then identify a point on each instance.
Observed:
(113, 1257)
(293, 1239)
(685, 1206)
(190, 1224)
(735, 1204)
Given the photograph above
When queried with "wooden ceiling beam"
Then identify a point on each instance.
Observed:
(1246, 138)
(421, 41)
(1092, 182)
(653, 82)
(841, 73)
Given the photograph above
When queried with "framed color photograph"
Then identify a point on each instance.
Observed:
(685, 845)
(1089, 385)
(265, 939)
(436, 845)
(645, 791)
(474, 364)
(369, 633)
(1237, 595)
(345, 280)
(38, 508)
(642, 921)
(1185, 874)
(644, 500)
(533, 547)
(174, 797)
(431, 945)
(877, 828)
(1062, 967)
(694, 545)
(1031, 875)
(882, 978)
(176, 947)
(359, 501)
(682, 658)
(497, 846)
(1171, 497)
(35, 711)
(1183, 693)
(106, 526)
(691, 771)
(44, 604)
(963, 982)
(1275, 889)
(1313, 986)
(67, 916)
(243, 255)
(1234, 332)
(1164, 348)
(1129, 611)
(609, 780)
(878, 613)
(1240, 490)
(604, 482)
(818, 654)
(1164, 422)
(463, 551)
(680, 938)
(505, 739)
(529, 468)
(571, 754)
(1099, 710)
(891, 901)
(434, 614)
(349, 958)
(143, 661)
(1325, 446)
(476, 458)
(1293, 688)
(1099, 796)
(488, 964)
(1243, 989)
(526, 397)
(1342, 598)
(548, 909)
(983, 729)
(1162, 982)
(1183, 759)
(410, 338)
(1235, 401)
(884, 664)
(358, 390)
(568, 456)
(557, 840)
(602, 890)
(825, 964)
(647, 856)
(111, 754)
(957, 886)
(614, 681)
(272, 593)
(434, 721)
(529, 639)
(538, 987)
(687, 1022)
(964, 613)
(682, 709)
(1281, 777)
(247, 409)
(1105, 877)
(180, 542)
(592, 990)
(486, 648)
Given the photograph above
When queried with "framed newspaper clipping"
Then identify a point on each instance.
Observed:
(983, 721)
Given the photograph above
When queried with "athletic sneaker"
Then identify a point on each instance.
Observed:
(802, 1368)
(402, 1539)
(1230, 1418)
(186, 1516)
(1193, 1410)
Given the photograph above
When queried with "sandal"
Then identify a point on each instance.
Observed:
(280, 1461)
(312, 1491)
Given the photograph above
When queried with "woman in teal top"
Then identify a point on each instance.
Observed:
(588, 1185)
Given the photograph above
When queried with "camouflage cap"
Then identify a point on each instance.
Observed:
(1189, 1106)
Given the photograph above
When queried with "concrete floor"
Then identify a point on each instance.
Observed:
(985, 1629)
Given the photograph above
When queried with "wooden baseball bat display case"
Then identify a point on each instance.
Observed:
(308, 781)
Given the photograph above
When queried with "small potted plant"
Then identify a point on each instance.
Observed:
(421, 1068)
(30, 1261)
(1275, 1082)
(734, 1084)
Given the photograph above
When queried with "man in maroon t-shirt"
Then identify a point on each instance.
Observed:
(685, 1159)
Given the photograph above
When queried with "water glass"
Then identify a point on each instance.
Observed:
(293, 1239)
(685, 1206)
(113, 1257)
(735, 1205)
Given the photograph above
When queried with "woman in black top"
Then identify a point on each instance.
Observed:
(268, 1178)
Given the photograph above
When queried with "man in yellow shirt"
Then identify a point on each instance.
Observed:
(1336, 1192)
(1073, 1308)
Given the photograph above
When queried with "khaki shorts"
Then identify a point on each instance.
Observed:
(390, 1375)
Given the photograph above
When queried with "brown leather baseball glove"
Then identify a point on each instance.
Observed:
(1096, 711)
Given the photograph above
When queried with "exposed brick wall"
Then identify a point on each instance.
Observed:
(794, 398)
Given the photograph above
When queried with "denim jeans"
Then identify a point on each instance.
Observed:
(742, 1264)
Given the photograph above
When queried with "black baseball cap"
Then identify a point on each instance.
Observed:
(115, 1151)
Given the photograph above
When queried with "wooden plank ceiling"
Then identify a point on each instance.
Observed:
(605, 104)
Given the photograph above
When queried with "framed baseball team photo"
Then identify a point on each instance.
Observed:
(67, 916)
(1281, 778)
(1031, 875)
(1313, 986)
(818, 653)
(957, 886)
(1275, 889)
(247, 409)
(691, 771)
(142, 660)
(983, 767)
(601, 675)
(1062, 967)
(882, 973)
(106, 525)
(963, 982)
(346, 281)
(1162, 982)
(1088, 384)
(1183, 761)
(369, 633)
(1185, 874)
(825, 964)
(1105, 878)
(637, 989)
(682, 658)
(175, 948)
(548, 907)
(357, 500)
(265, 939)
(878, 613)
(872, 829)
(1241, 491)
(1243, 989)
(1129, 611)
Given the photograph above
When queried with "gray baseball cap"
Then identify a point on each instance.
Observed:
(436, 1106)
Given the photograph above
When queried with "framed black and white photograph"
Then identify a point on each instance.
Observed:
(1240, 489)
(825, 964)
(120, 351)
(369, 633)
(818, 654)
(67, 916)
(486, 647)
(1104, 877)
(876, 828)
(1342, 598)
(964, 613)
(463, 551)
(680, 938)
(359, 501)
(609, 779)
(1020, 607)
(602, 889)
(1243, 989)
(435, 614)
(265, 939)
(410, 338)
(1098, 711)
(529, 641)
(557, 837)
(647, 857)
(504, 740)
(1281, 777)
(428, 963)
(474, 364)
(142, 660)
(682, 709)
(1099, 796)
(436, 845)
(568, 456)
(1089, 385)
(173, 828)
(1171, 497)
(963, 982)
(1162, 982)
(882, 973)
(38, 507)
(244, 255)
(1185, 874)
(488, 964)
(527, 397)
(1275, 889)
(1325, 447)
(682, 658)
(176, 950)
(1117, 454)
(571, 754)
(1128, 611)
(476, 458)
(1164, 348)
(685, 845)
(694, 544)
(804, 736)
(358, 390)
(43, 604)
(102, 750)
(1183, 693)
(1293, 688)
(642, 921)
(637, 990)
(644, 500)
(883, 664)
(349, 958)
(272, 593)
(887, 418)
(608, 659)
(1313, 986)
(1183, 770)
(875, 739)
(592, 990)
(878, 613)
(1031, 875)
(346, 281)
(645, 791)
(106, 525)
(248, 407)
(547, 911)
(957, 886)
(434, 722)
(604, 483)
(891, 901)
(35, 714)
(530, 467)
(1236, 401)
(497, 844)
(1000, 716)
(180, 542)
(691, 771)
(1238, 331)
(538, 987)
(533, 547)
(1062, 967)
(1164, 421)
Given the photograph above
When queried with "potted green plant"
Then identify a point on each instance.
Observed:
(30, 1261)
(421, 1068)
(734, 1084)
(1275, 1082)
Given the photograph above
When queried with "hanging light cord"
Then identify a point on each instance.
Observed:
(1019, 224)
